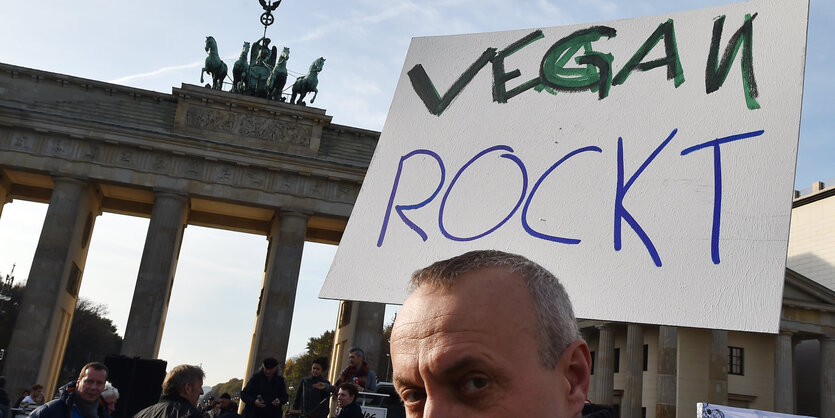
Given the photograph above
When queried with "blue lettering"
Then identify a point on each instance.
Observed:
(621, 212)
(717, 183)
(536, 187)
(401, 208)
(511, 157)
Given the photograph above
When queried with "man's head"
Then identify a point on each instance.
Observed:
(488, 334)
(270, 367)
(91, 381)
(320, 364)
(37, 388)
(347, 393)
(110, 395)
(186, 381)
(356, 356)
(225, 400)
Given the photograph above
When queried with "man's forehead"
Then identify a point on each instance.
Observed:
(94, 374)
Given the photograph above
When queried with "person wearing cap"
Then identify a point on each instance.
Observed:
(265, 392)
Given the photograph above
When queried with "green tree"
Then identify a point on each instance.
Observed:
(92, 337)
(8, 316)
(384, 373)
(298, 367)
(233, 387)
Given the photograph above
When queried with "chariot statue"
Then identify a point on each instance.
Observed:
(260, 70)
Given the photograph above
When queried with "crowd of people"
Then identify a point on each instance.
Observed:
(461, 316)
(264, 395)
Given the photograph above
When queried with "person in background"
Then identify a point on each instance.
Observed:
(80, 400)
(20, 398)
(181, 389)
(212, 409)
(5, 403)
(346, 399)
(110, 395)
(228, 407)
(32, 402)
(265, 392)
(358, 372)
(313, 391)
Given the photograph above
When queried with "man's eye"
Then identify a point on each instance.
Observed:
(475, 384)
(412, 396)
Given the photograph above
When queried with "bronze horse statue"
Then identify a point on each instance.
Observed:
(239, 71)
(213, 65)
(278, 76)
(308, 83)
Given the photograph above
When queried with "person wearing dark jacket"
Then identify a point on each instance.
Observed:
(181, 389)
(4, 399)
(80, 400)
(313, 391)
(347, 400)
(265, 392)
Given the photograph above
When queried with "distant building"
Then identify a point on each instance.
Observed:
(658, 371)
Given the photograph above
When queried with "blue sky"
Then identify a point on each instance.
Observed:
(158, 44)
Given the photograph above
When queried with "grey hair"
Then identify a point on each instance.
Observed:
(177, 379)
(356, 350)
(557, 325)
(109, 389)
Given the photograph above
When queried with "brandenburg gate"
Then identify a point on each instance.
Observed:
(194, 157)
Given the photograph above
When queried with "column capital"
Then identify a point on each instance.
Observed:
(607, 326)
(294, 212)
(57, 178)
(827, 338)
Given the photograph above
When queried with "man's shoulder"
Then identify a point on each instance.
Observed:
(169, 408)
(49, 409)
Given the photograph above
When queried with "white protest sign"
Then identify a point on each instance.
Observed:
(648, 163)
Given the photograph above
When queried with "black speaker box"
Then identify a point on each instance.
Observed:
(139, 382)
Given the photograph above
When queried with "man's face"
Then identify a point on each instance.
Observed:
(354, 359)
(471, 351)
(224, 403)
(193, 390)
(344, 398)
(270, 372)
(91, 384)
(316, 370)
(110, 400)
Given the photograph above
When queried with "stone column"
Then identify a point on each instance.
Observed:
(278, 292)
(634, 387)
(5, 189)
(783, 373)
(148, 310)
(665, 406)
(604, 367)
(369, 331)
(827, 359)
(40, 335)
(717, 372)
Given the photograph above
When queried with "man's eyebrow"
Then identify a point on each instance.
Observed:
(463, 364)
(400, 381)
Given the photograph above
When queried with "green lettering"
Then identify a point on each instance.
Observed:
(716, 72)
(674, 71)
(500, 93)
(596, 73)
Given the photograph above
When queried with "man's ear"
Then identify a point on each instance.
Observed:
(575, 364)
